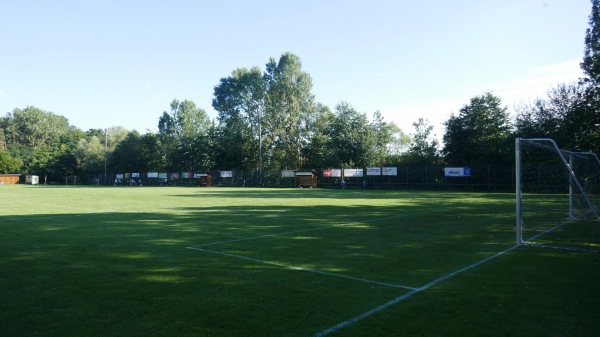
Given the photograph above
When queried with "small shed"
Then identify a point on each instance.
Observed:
(9, 178)
(31, 179)
(203, 179)
(306, 179)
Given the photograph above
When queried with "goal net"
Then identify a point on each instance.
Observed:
(558, 194)
(72, 180)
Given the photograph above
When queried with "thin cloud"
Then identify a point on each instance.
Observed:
(538, 81)
(534, 83)
(564, 68)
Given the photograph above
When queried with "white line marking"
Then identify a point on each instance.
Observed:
(407, 295)
(292, 232)
(551, 229)
(572, 249)
(305, 269)
(257, 237)
(353, 320)
(66, 215)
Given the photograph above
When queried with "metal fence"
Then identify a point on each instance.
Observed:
(482, 178)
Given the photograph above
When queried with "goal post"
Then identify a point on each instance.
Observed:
(72, 180)
(557, 196)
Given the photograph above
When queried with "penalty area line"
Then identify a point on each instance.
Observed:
(293, 232)
(314, 271)
(408, 295)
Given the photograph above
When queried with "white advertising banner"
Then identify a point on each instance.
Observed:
(389, 171)
(373, 171)
(353, 173)
(226, 174)
(152, 174)
(287, 173)
(332, 173)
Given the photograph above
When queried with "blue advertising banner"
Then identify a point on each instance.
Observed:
(457, 171)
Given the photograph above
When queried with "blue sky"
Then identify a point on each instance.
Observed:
(107, 63)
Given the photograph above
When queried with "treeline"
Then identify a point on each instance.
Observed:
(269, 119)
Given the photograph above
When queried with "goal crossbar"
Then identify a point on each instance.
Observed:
(566, 159)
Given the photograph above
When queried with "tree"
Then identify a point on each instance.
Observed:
(537, 119)
(239, 99)
(34, 127)
(128, 156)
(113, 137)
(182, 134)
(351, 137)
(388, 139)
(90, 155)
(288, 111)
(3, 144)
(319, 152)
(569, 112)
(586, 124)
(423, 149)
(591, 59)
(30, 135)
(269, 112)
(567, 115)
(479, 134)
(138, 153)
(9, 164)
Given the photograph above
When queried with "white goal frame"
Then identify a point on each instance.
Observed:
(72, 180)
(575, 187)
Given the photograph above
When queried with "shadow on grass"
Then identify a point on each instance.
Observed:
(128, 273)
(352, 193)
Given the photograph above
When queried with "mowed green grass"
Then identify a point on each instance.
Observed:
(93, 261)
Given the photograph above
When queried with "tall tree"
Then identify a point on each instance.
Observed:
(90, 155)
(388, 139)
(351, 137)
(589, 137)
(128, 156)
(183, 135)
(319, 152)
(288, 111)
(479, 134)
(591, 59)
(567, 115)
(63, 160)
(423, 149)
(239, 100)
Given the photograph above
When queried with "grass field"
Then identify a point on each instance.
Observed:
(169, 261)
